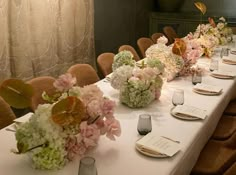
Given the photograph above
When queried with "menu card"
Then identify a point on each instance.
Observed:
(190, 111)
(158, 144)
(224, 73)
(207, 88)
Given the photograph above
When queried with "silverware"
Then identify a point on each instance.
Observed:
(176, 141)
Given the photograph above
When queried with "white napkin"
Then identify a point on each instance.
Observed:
(189, 111)
(207, 88)
(221, 73)
(156, 144)
(229, 59)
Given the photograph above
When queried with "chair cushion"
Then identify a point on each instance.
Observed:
(231, 170)
(225, 128)
(214, 159)
(231, 108)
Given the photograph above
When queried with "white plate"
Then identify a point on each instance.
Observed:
(183, 116)
(207, 93)
(221, 76)
(150, 154)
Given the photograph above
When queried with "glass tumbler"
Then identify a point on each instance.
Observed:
(144, 124)
(214, 64)
(87, 166)
(224, 52)
(178, 97)
(196, 77)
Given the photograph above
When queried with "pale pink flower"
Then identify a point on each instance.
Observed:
(113, 128)
(94, 108)
(89, 93)
(157, 93)
(65, 82)
(89, 134)
(107, 107)
(73, 147)
(162, 40)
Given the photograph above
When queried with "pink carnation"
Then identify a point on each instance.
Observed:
(90, 92)
(65, 82)
(89, 134)
(113, 128)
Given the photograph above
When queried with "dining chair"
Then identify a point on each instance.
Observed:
(234, 30)
(231, 170)
(41, 84)
(131, 49)
(225, 128)
(6, 114)
(231, 108)
(143, 44)
(156, 36)
(170, 34)
(104, 62)
(216, 157)
(85, 74)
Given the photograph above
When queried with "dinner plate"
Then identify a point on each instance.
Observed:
(207, 93)
(222, 76)
(150, 154)
(184, 117)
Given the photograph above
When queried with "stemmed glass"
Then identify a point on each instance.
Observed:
(144, 124)
(87, 166)
(214, 64)
(178, 97)
(224, 52)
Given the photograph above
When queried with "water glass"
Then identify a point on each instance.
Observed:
(87, 166)
(196, 77)
(224, 52)
(178, 97)
(214, 64)
(144, 124)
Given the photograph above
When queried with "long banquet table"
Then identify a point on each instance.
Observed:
(120, 156)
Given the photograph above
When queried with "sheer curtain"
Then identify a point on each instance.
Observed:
(44, 37)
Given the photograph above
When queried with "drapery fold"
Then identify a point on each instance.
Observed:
(45, 37)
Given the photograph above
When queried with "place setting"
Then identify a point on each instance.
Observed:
(152, 144)
(185, 112)
(231, 59)
(206, 89)
(223, 74)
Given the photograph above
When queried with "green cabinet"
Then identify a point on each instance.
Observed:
(183, 23)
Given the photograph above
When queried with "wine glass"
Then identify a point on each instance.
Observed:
(144, 124)
(178, 97)
(87, 166)
(224, 52)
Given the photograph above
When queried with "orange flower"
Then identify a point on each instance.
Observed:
(212, 22)
(68, 111)
(179, 47)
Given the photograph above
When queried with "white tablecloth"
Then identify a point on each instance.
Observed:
(120, 157)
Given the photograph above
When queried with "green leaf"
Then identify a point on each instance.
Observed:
(22, 148)
(68, 111)
(16, 93)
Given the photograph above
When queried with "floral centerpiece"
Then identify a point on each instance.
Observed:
(72, 125)
(138, 86)
(172, 62)
(123, 58)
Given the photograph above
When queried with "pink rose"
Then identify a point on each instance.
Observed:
(65, 82)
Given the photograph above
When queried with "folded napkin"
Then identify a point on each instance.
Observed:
(223, 74)
(189, 111)
(157, 145)
(200, 87)
(229, 59)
